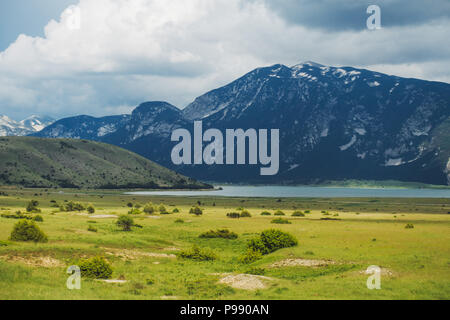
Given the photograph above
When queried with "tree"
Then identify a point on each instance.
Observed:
(33, 206)
(125, 222)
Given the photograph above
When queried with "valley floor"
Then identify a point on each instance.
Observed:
(328, 263)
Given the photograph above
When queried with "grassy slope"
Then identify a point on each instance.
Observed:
(418, 258)
(36, 162)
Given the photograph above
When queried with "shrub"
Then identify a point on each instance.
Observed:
(271, 241)
(266, 213)
(281, 221)
(95, 268)
(125, 222)
(149, 208)
(134, 211)
(130, 205)
(221, 233)
(196, 210)
(162, 210)
(198, 254)
(250, 256)
(233, 215)
(176, 210)
(92, 229)
(38, 218)
(409, 226)
(279, 213)
(32, 207)
(298, 214)
(307, 211)
(27, 231)
(17, 215)
(245, 214)
(256, 271)
(179, 221)
(73, 206)
(90, 209)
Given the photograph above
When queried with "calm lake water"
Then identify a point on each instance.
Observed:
(305, 192)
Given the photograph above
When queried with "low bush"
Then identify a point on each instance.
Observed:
(149, 208)
(17, 215)
(125, 223)
(307, 211)
(196, 211)
(90, 209)
(272, 240)
(134, 211)
(176, 210)
(266, 213)
(32, 207)
(92, 229)
(198, 254)
(298, 214)
(25, 230)
(95, 268)
(279, 213)
(72, 207)
(221, 233)
(245, 214)
(256, 271)
(163, 210)
(281, 221)
(179, 221)
(409, 226)
(234, 215)
(38, 218)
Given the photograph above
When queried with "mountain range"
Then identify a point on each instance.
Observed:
(335, 123)
(9, 127)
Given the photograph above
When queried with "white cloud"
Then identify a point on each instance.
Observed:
(127, 52)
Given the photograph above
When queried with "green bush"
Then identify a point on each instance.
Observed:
(298, 214)
(245, 214)
(179, 221)
(18, 215)
(271, 241)
(256, 271)
(92, 229)
(233, 215)
(198, 254)
(38, 218)
(250, 256)
(125, 222)
(196, 210)
(25, 230)
(134, 211)
(32, 207)
(221, 233)
(409, 226)
(95, 268)
(73, 206)
(281, 221)
(279, 213)
(90, 209)
(176, 210)
(163, 210)
(149, 208)
(307, 211)
(266, 213)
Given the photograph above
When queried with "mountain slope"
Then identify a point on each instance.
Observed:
(335, 123)
(25, 127)
(36, 162)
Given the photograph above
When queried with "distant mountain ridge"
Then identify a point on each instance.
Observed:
(9, 127)
(335, 123)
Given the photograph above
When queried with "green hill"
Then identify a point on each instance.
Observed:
(66, 163)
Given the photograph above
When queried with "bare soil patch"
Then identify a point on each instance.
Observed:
(34, 261)
(302, 263)
(246, 281)
(126, 254)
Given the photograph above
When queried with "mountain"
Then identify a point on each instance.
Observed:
(335, 123)
(25, 127)
(37, 162)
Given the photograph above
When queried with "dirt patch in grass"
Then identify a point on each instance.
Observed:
(33, 261)
(302, 263)
(135, 254)
(169, 298)
(103, 216)
(384, 272)
(246, 281)
(113, 281)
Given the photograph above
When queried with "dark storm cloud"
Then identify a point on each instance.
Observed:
(339, 15)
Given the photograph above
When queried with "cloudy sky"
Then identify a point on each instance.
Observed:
(69, 57)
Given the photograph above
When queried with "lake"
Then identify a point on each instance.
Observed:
(305, 192)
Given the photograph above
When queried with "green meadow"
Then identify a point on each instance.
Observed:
(338, 239)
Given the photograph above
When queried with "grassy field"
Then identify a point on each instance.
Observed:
(364, 232)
